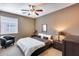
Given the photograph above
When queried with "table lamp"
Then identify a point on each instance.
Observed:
(61, 36)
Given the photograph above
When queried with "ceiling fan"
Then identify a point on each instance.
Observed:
(32, 10)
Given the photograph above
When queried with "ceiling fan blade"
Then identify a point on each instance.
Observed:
(28, 13)
(36, 13)
(31, 7)
(39, 10)
(24, 10)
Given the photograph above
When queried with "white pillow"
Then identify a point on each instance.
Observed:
(44, 35)
(40, 34)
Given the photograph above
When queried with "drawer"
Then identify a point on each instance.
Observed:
(58, 46)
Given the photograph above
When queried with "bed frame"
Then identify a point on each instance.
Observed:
(40, 50)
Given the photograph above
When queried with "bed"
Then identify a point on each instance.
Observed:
(35, 47)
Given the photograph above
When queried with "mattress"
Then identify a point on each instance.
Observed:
(29, 45)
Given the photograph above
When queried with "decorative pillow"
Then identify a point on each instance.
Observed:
(38, 36)
(44, 36)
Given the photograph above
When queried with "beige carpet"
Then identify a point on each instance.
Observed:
(11, 51)
(15, 51)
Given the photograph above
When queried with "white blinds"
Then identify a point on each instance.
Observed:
(9, 25)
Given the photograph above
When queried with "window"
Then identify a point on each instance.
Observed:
(9, 25)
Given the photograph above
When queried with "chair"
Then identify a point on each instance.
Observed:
(7, 40)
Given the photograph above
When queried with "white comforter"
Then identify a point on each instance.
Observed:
(29, 45)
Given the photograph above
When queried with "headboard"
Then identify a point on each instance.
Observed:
(44, 36)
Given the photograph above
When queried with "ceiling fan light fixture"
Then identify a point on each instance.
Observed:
(32, 10)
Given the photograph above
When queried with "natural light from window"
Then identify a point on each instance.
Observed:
(9, 25)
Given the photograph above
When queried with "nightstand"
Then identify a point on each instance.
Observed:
(58, 45)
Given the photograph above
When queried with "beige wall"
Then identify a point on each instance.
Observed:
(26, 26)
(63, 20)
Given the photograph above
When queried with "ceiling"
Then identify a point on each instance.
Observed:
(16, 8)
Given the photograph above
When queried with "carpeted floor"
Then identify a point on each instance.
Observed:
(15, 51)
(11, 51)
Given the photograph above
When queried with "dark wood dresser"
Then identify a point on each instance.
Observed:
(71, 46)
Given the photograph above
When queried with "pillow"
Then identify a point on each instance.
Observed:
(38, 36)
(41, 35)
(44, 35)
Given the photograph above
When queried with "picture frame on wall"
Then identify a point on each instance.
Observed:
(44, 27)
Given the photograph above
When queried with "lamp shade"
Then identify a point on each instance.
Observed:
(61, 33)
